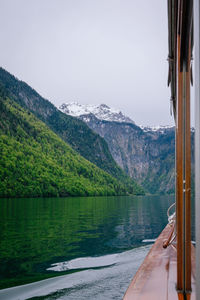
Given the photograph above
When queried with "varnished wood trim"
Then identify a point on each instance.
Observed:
(156, 277)
(179, 175)
(187, 186)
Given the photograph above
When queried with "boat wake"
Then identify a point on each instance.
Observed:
(103, 277)
(86, 263)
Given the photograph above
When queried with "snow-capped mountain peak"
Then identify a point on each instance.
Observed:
(101, 112)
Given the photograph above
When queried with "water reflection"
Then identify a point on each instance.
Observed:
(36, 233)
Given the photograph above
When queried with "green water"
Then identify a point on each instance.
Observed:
(36, 233)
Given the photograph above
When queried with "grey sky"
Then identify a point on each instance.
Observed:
(92, 51)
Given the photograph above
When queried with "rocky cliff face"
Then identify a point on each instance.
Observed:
(147, 156)
(145, 153)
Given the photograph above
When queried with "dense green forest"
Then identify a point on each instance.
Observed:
(35, 162)
(72, 130)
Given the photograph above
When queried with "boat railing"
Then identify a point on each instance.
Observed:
(172, 224)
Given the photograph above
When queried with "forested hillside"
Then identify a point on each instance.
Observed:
(72, 130)
(35, 162)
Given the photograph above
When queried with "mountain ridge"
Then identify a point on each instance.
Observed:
(146, 153)
(75, 132)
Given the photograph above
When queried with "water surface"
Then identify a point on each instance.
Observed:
(96, 243)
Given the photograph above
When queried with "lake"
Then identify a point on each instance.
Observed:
(94, 244)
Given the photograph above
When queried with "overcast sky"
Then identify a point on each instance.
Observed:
(91, 51)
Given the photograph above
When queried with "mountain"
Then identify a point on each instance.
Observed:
(101, 112)
(144, 153)
(36, 162)
(72, 130)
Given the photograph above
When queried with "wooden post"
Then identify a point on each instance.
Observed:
(196, 12)
(179, 176)
(187, 176)
(183, 177)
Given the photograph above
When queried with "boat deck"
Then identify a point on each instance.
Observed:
(156, 278)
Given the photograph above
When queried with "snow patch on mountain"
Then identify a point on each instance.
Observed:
(101, 112)
(159, 128)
